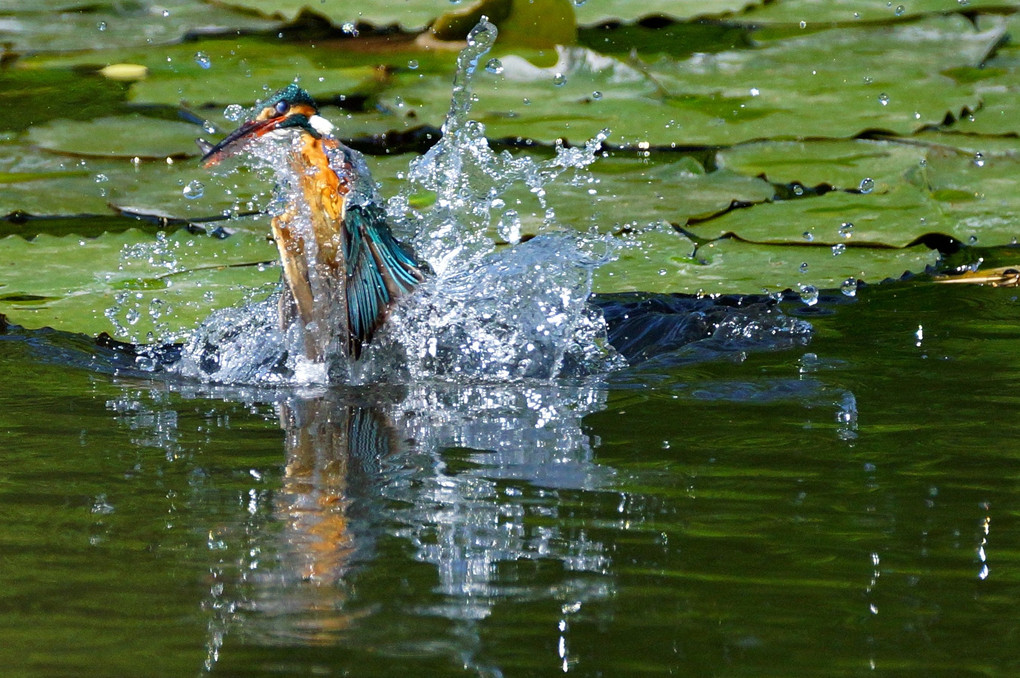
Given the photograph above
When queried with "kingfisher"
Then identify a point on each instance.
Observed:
(343, 270)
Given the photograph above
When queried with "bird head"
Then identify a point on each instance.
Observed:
(291, 108)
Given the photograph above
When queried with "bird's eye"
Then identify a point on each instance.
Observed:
(282, 107)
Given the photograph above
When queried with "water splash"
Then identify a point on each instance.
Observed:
(489, 313)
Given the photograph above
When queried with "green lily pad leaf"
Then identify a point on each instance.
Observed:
(929, 200)
(243, 70)
(840, 164)
(37, 96)
(64, 26)
(129, 284)
(661, 260)
(857, 11)
(602, 11)
(892, 80)
(530, 23)
(126, 136)
(410, 15)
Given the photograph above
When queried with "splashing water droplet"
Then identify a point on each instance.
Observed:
(846, 229)
(350, 29)
(867, 185)
(233, 112)
(849, 287)
(883, 99)
(102, 178)
(838, 249)
(494, 66)
(808, 294)
(203, 60)
(194, 190)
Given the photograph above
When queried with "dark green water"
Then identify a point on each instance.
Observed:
(844, 508)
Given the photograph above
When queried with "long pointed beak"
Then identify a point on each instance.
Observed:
(235, 142)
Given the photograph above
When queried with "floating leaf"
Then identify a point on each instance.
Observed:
(794, 88)
(530, 23)
(126, 136)
(661, 260)
(601, 11)
(165, 284)
(65, 26)
(827, 12)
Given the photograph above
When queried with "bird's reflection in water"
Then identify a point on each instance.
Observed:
(467, 476)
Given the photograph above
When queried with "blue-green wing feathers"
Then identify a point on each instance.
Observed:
(379, 271)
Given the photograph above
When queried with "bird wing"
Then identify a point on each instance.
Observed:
(379, 271)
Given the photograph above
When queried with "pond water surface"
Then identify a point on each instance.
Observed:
(845, 506)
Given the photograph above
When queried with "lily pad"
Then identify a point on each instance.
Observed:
(661, 260)
(601, 11)
(834, 83)
(408, 14)
(857, 11)
(64, 26)
(162, 285)
(126, 136)
(949, 195)
(836, 163)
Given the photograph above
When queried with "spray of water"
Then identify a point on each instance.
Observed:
(489, 313)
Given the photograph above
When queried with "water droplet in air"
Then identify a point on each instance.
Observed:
(596, 95)
(101, 25)
(350, 29)
(798, 190)
(755, 91)
(233, 112)
(808, 294)
(803, 24)
(846, 229)
(208, 127)
(868, 80)
(972, 240)
(900, 9)
(166, 13)
(808, 236)
(867, 185)
(494, 66)
(413, 64)
(559, 80)
(578, 3)
(803, 267)
(963, 3)
(838, 249)
(979, 159)
(849, 287)
(203, 60)
(194, 190)
(883, 99)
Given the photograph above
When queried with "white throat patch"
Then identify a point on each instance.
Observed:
(321, 125)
